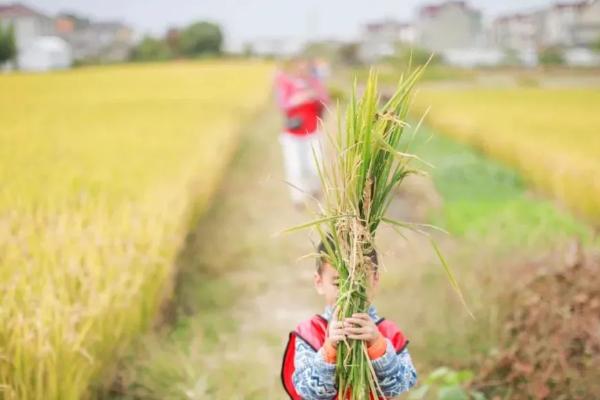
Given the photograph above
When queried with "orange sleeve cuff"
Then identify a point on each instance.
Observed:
(329, 353)
(377, 349)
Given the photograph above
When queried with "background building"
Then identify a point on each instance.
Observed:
(38, 49)
(106, 41)
(28, 23)
(46, 42)
(449, 25)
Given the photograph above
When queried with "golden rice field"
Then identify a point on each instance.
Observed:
(101, 172)
(551, 135)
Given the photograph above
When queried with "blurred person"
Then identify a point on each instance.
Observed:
(302, 99)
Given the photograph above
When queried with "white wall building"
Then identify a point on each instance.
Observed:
(37, 48)
(474, 57)
(559, 21)
(108, 41)
(518, 32)
(45, 53)
(586, 31)
(449, 25)
(380, 39)
(562, 24)
(407, 33)
(581, 57)
(27, 23)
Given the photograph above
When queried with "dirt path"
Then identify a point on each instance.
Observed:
(241, 287)
(239, 291)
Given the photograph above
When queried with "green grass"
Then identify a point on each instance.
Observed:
(550, 135)
(484, 199)
(497, 226)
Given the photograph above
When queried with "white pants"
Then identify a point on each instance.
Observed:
(301, 171)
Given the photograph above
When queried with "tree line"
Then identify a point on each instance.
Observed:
(195, 40)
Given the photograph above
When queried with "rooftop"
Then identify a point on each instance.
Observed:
(432, 10)
(18, 10)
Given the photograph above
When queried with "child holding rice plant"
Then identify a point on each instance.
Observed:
(349, 352)
(309, 366)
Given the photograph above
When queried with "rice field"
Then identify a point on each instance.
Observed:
(551, 135)
(101, 172)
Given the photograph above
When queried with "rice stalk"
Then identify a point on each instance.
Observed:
(359, 181)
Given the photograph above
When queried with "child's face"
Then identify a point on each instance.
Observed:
(327, 283)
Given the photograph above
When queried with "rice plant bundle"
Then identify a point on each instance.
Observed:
(359, 182)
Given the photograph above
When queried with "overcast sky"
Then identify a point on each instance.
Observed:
(247, 20)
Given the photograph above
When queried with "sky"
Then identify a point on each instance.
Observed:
(248, 20)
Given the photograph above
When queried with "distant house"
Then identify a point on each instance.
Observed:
(474, 57)
(581, 57)
(518, 32)
(27, 23)
(379, 39)
(559, 21)
(586, 30)
(573, 26)
(45, 53)
(519, 35)
(95, 41)
(562, 24)
(449, 25)
(38, 49)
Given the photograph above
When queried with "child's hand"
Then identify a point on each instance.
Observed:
(361, 327)
(335, 330)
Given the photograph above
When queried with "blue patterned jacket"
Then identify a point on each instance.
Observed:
(314, 379)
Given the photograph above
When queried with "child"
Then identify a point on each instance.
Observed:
(308, 370)
(302, 98)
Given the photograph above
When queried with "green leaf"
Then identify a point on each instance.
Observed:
(437, 375)
(416, 227)
(451, 379)
(464, 376)
(452, 393)
(478, 395)
(451, 278)
(420, 393)
(315, 222)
